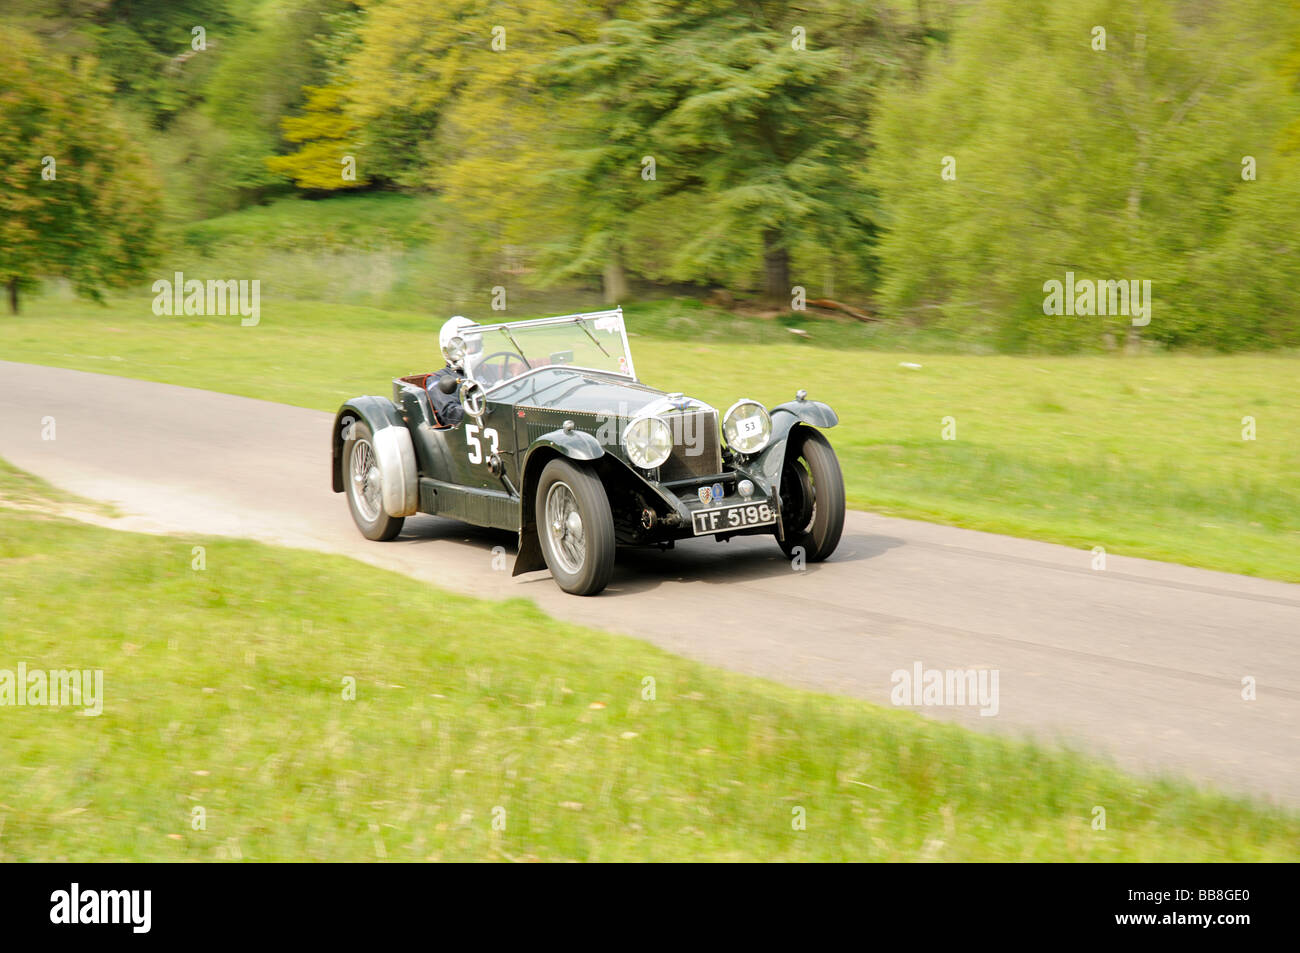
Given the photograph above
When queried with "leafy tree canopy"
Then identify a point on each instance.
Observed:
(78, 199)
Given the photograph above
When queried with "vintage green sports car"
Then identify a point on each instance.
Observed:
(562, 444)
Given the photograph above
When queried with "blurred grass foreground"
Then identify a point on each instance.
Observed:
(257, 708)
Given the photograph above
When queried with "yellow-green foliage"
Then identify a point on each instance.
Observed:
(78, 199)
(326, 138)
(1116, 152)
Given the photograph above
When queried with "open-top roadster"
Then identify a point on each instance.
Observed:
(563, 444)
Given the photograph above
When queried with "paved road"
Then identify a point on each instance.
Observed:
(1143, 661)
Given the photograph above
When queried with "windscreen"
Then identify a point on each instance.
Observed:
(498, 353)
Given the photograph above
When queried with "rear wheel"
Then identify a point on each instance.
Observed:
(812, 496)
(575, 527)
(365, 485)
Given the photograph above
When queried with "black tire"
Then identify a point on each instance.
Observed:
(812, 496)
(580, 555)
(367, 513)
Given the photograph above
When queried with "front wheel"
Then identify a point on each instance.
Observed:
(575, 527)
(812, 497)
(365, 485)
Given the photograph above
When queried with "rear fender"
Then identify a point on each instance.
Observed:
(393, 449)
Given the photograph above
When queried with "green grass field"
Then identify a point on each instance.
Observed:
(224, 691)
(1141, 455)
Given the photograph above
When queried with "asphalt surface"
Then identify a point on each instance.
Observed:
(1143, 662)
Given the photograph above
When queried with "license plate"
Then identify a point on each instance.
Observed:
(722, 519)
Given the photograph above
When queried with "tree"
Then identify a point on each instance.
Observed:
(1086, 137)
(680, 139)
(448, 99)
(737, 107)
(142, 47)
(260, 72)
(604, 166)
(77, 198)
(408, 67)
(326, 138)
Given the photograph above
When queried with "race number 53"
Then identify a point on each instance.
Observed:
(476, 445)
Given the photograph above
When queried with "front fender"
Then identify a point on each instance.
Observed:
(393, 448)
(769, 464)
(574, 444)
(809, 411)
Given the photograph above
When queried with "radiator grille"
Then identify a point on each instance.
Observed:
(697, 450)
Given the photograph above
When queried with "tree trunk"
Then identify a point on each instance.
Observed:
(13, 295)
(615, 282)
(776, 265)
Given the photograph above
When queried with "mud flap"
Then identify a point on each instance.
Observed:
(530, 558)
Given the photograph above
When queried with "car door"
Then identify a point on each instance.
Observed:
(480, 440)
(471, 490)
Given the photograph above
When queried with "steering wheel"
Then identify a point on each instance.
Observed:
(510, 365)
(473, 398)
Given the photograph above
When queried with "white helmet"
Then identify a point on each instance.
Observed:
(452, 328)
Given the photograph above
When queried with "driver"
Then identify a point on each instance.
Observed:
(447, 406)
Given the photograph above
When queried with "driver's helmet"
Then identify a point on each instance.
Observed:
(454, 346)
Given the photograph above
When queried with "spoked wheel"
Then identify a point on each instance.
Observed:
(812, 496)
(575, 527)
(365, 486)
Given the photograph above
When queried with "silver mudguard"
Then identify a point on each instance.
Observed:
(394, 452)
(398, 471)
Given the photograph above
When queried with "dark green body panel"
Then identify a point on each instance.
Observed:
(456, 475)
